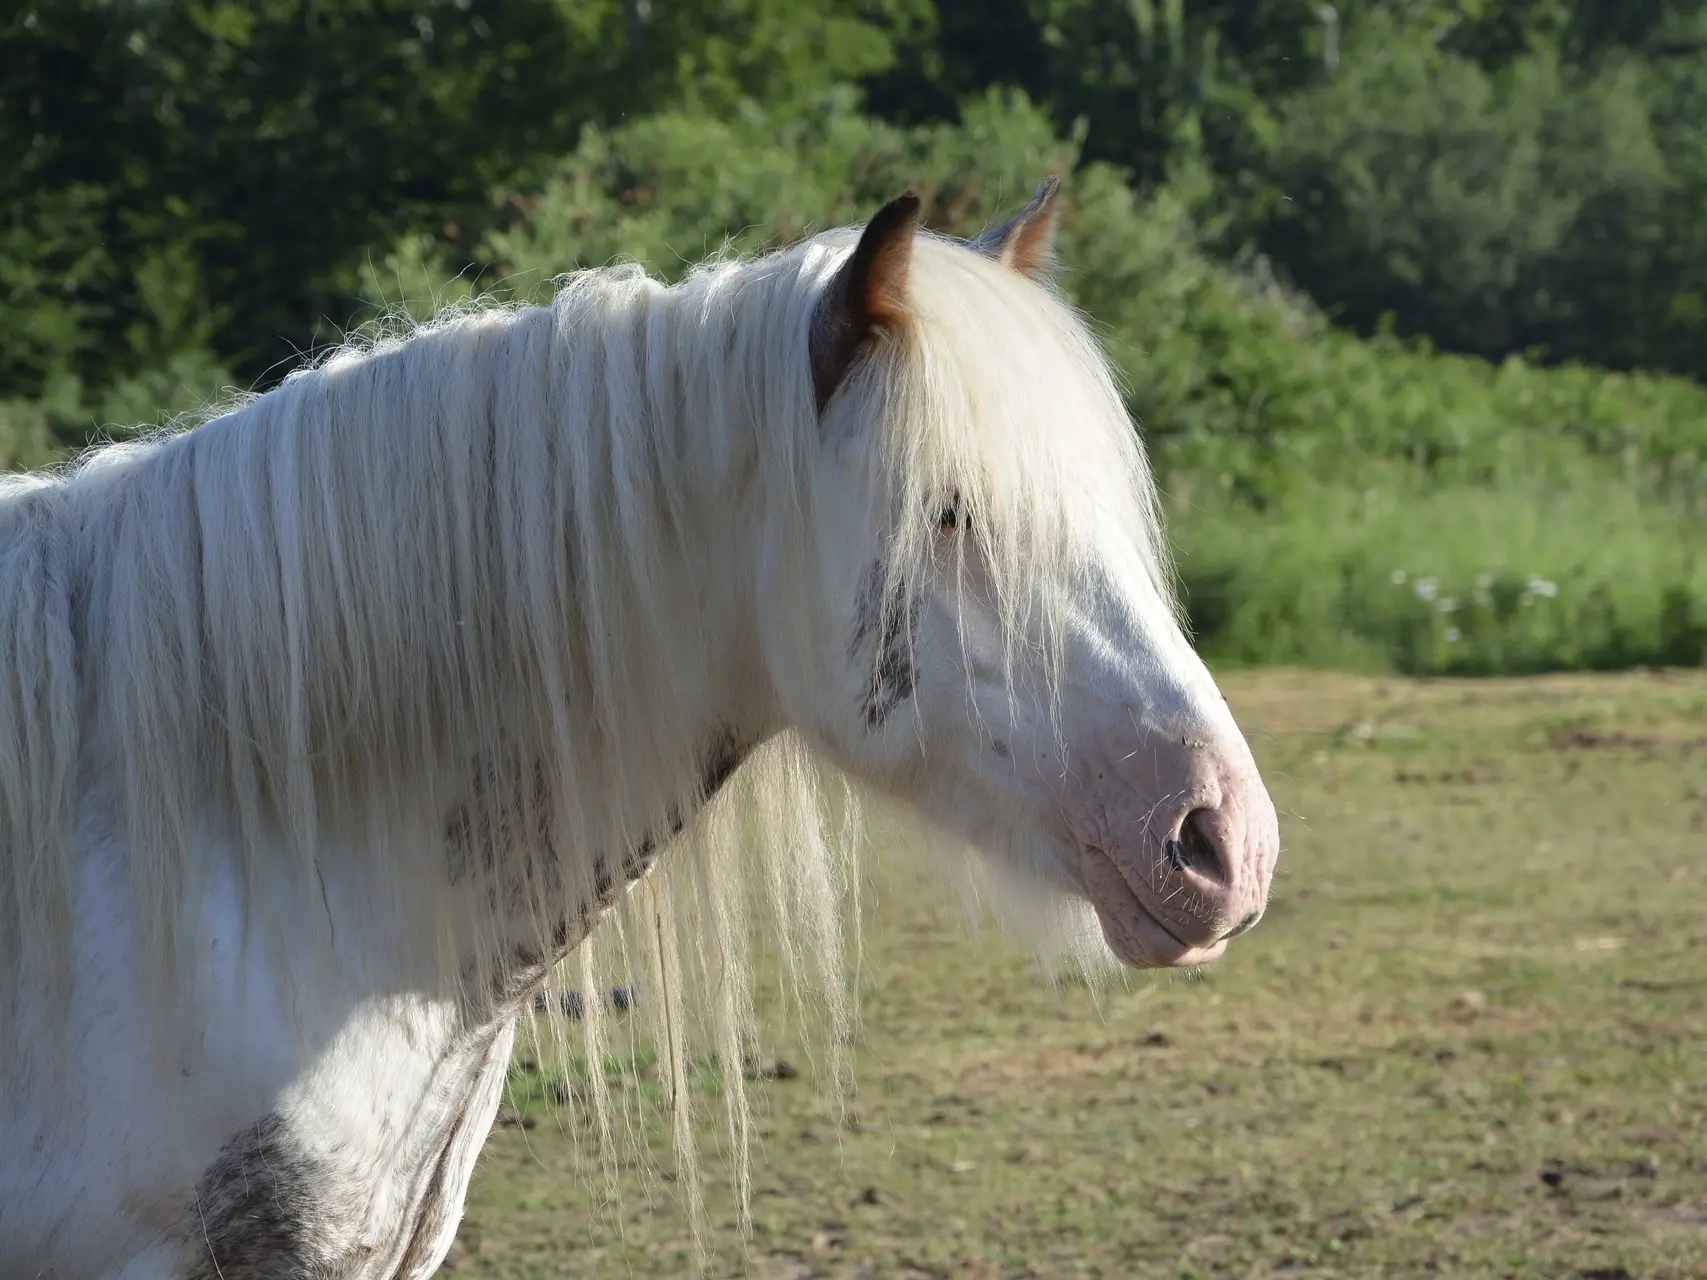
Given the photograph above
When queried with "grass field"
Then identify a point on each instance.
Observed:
(1470, 1038)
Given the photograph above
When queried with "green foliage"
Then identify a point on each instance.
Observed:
(1539, 518)
(1540, 207)
(1512, 177)
(203, 189)
(1135, 72)
(254, 152)
(672, 189)
(68, 415)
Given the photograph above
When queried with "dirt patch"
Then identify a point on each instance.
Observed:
(1603, 739)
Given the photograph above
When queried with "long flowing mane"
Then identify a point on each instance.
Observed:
(313, 624)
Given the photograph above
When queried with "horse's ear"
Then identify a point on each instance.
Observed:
(867, 293)
(1026, 242)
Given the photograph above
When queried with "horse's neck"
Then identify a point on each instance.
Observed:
(722, 707)
(244, 653)
(421, 582)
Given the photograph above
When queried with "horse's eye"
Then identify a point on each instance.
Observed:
(950, 516)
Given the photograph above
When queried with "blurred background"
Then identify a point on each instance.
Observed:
(1411, 299)
(1411, 294)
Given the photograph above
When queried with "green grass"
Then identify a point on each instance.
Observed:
(1466, 1040)
(1424, 578)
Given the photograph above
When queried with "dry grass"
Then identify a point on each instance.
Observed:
(1468, 1039)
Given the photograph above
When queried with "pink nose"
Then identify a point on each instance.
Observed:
(1200, 868)
(1179, 878)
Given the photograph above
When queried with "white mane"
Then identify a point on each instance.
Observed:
(315, 620)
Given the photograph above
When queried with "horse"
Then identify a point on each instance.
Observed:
(333, 721)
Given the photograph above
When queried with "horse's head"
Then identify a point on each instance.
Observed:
(996, 643)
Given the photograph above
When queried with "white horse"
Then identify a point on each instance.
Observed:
(328, 726)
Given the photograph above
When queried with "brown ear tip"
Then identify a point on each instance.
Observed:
(906, 205)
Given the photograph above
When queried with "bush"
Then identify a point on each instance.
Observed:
(1333, 500)
(1538, 207)
(247, 156)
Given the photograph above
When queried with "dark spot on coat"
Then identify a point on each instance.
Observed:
(529, 968)
(267, 1210)
(885, 627)
(506, 801)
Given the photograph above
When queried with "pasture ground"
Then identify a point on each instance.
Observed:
(1470, 1038)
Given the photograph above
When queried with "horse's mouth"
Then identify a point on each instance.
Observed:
(1131, 929)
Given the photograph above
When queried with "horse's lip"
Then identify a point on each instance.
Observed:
(1135, 934)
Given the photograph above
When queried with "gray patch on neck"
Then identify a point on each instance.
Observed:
(886, 626)
(528, 968)
(265, 1209)
(479, 827)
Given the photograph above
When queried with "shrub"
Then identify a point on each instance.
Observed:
(1333, 500)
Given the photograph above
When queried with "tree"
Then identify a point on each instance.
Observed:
(205, 172)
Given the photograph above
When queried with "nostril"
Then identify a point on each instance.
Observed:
(1195, 848)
